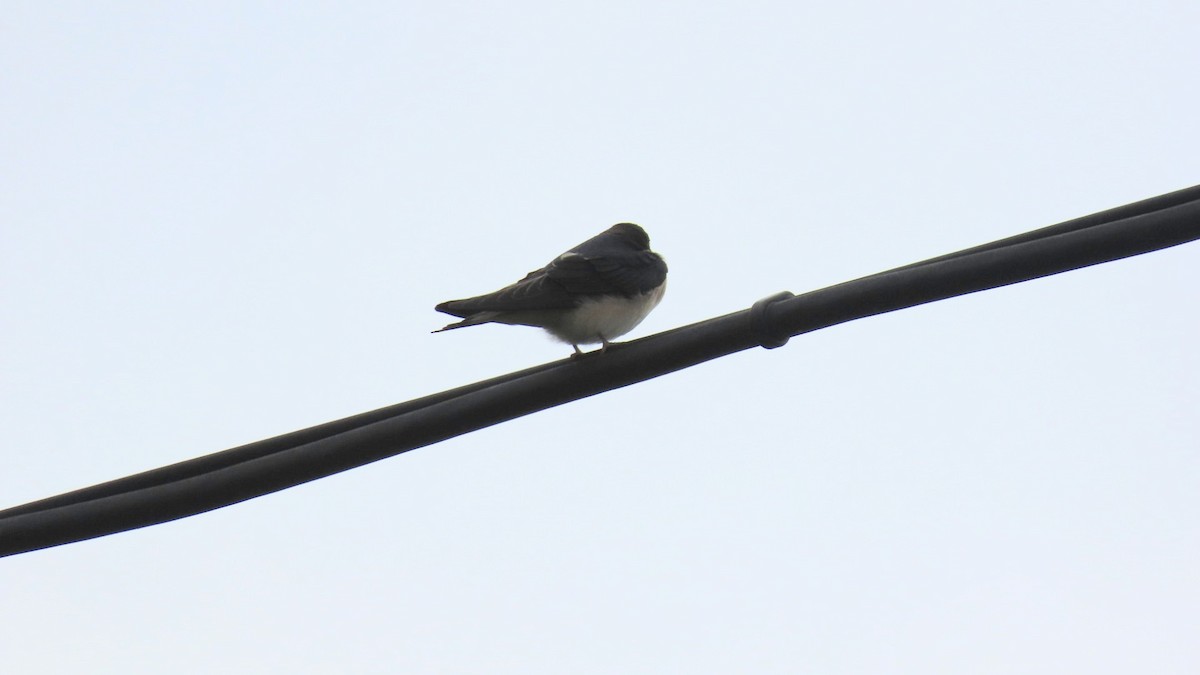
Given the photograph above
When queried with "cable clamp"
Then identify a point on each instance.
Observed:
(769, 335)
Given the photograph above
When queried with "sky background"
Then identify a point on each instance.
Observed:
(223, 221)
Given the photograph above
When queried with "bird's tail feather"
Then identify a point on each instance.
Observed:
(473, 320)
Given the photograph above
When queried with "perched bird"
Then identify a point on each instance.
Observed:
(593, 293)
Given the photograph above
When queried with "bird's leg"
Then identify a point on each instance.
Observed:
(578, 352)
(604, 343)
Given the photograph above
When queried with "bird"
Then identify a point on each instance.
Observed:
(594, 293)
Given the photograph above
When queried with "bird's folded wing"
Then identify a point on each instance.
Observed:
(534, 292)
(568, 279)
(630, 274)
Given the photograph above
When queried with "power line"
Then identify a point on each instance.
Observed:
(256, 469)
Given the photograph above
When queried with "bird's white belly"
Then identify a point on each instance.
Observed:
(604, 319)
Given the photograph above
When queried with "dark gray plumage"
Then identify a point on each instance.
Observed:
(593, 293)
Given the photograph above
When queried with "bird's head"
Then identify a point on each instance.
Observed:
(633, 233)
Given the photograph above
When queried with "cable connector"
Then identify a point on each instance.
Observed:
(769, 335)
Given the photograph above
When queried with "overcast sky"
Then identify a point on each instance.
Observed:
(223, 221)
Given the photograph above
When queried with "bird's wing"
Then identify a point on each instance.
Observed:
(627, 274)
(565, 281)
(536, 291)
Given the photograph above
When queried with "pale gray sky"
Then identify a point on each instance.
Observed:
(226, 221)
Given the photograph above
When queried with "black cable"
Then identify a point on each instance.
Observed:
(249, 471)
(226, 458)
(1149, 225)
